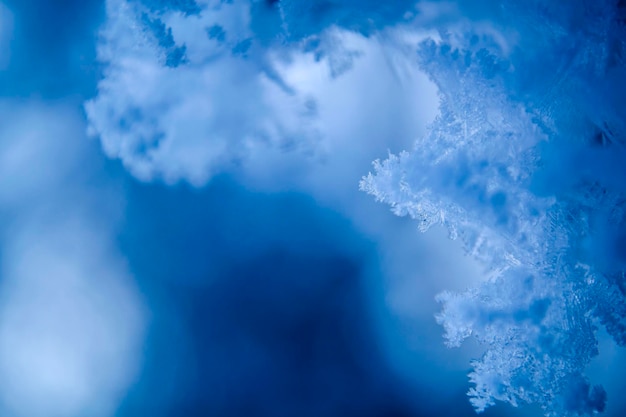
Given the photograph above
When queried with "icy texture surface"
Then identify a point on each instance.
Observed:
(186, 93)
(190, 88)
(526, 165)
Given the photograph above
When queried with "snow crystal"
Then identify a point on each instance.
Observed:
(525, 164)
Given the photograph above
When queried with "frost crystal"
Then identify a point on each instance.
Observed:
(525, 164)
(192, 89)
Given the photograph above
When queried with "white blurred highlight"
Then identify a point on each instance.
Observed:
(68, 324)
(194, 121)
(71, 320)
(369, 97)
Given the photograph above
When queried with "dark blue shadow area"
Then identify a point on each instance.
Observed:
(296, 19)
(258, 308)
(53, 52)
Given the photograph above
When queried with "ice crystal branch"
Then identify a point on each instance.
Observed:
(525, 164)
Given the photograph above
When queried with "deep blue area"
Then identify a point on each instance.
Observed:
(53, 49)
(258, 306)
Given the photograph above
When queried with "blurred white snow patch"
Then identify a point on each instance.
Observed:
(70, 328)
(367, 96)
(6, 34)
(71, 321)
(196, 108)
(187, 97)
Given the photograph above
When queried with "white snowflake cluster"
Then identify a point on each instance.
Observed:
(525, 164)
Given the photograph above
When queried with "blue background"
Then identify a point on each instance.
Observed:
(262, 304)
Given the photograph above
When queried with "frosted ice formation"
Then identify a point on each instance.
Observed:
(526, 164)
(187, 94)
(190, 89)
